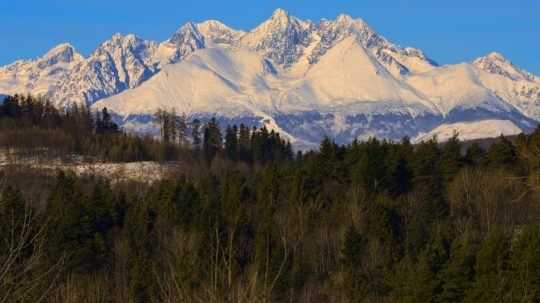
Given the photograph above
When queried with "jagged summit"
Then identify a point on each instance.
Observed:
(496, 56)
(188, 33)
(63, 53)
(280, 38)
(60, 49)
(280, 14)
(496, 63)
(304, 79)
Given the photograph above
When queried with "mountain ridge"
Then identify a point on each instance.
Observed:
(335, 78)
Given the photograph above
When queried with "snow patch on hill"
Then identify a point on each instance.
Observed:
(471, 130)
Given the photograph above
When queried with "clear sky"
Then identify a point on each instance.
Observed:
(448, 31)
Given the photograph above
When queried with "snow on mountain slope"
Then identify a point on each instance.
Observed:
(37, 76)
(347, 83)
(496, 63)
(119, 63)
(336, 77)
(471, 130)
(345, 75)
(215, 80)
(455, 86)
(513, 85)
(236, 77)
(215, 32)
(397, 60)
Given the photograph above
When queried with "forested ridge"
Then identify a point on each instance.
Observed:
(246, 220)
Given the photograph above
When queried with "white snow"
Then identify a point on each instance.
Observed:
(454, 86)
(471, 130)
(339, 68)
(39, 75)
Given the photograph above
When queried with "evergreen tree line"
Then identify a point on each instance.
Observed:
(31, 126)
(239, 143)
(372, 221)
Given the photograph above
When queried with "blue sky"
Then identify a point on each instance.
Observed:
(448, 31)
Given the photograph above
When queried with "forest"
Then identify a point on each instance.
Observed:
(245, 219)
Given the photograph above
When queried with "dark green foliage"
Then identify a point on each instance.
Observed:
(451, 159)
(525, 265)
(212, 140)
(12, 210)
(502, 153)
(32, 127)
(492, 281)
(456, 277)
(475, 155)
(80, 224)
(231, 143)
(373, 221)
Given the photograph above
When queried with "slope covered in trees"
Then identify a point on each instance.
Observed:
(372, 221)
(31, 126)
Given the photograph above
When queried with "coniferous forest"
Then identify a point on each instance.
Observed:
(245, 219)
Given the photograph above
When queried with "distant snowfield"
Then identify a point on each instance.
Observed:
(471, 130)
(307, 80)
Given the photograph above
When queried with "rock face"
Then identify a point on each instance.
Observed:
(308, 80)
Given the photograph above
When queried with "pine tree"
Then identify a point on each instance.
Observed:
(104, 124)
(231, 143)
(182, 126)
(451, 157)
(491, 281)
(212, 140)
(502, 153)
(353, 252)
(12, 210)
(399, 175)
(475, 155)
(525, 266)
(415, 281)
(458, 273)
(244, 143)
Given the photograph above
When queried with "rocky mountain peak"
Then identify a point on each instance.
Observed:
(216, 32)
(61, 54)
(280, 14)
(188, 34)
(496, 63)
(280, 38)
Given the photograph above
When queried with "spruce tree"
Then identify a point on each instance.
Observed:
(475, 155)
(244, 144)
(231, 143)
(502, 153)
(457, 275)
(491, 280)
(212, 140)
(525, 266)
(451, 160)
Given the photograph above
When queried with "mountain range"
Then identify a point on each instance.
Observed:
(336, 78)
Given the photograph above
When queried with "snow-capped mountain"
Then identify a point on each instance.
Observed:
(40, 75)
(281, 39)
(306, 79)
(119, 63)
